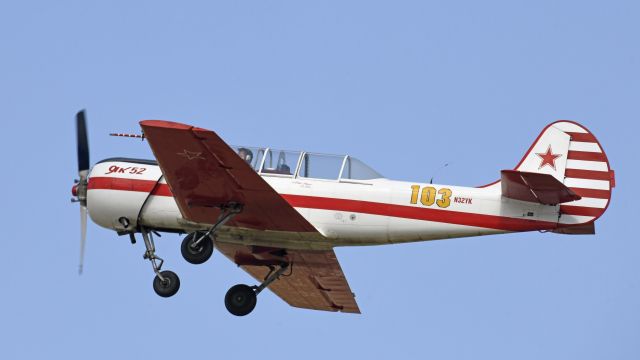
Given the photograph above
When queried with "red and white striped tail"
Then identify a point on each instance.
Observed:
(570, 152)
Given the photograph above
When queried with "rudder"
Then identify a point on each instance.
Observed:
(572, 154)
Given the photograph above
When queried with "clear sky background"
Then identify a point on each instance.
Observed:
(404, 85)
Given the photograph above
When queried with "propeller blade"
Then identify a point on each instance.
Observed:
(83, 143)
(83, 235)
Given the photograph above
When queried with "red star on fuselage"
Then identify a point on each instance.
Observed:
(548, 158)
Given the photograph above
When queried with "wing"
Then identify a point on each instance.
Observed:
(315, 280)
(204, 173)
(535, 187)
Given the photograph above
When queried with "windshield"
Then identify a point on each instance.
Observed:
(252, 155)
(281, 162)
(355, 169)
(320, 166)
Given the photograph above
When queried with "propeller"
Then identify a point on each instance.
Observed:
(80, 189)
(83, 143)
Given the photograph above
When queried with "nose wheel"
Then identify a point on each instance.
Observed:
(166, 283)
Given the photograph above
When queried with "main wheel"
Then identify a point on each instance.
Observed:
(196, 254)
(240, 300)
(169, 286)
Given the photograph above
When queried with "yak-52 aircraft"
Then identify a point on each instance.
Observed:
(278, 214)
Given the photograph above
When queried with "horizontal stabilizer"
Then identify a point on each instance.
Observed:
(535, 187)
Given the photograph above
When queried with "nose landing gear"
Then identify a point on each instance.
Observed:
(166, 283)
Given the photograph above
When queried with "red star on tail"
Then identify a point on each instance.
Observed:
(548, 158)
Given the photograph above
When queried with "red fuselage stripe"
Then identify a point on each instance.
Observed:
(162, 190)
(113, 183)
(418, 213)
(367, 207)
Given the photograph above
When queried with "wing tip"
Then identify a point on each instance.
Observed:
(164, 124)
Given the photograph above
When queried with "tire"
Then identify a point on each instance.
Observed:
(169, 287)
(198, 255)
(240, 300)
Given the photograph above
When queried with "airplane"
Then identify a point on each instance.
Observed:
(279, 214)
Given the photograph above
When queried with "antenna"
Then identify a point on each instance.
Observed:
(139, 136)
(438, 172)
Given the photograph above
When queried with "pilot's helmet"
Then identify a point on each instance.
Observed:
(245, 154)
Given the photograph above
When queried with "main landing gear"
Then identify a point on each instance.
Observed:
(166, 283)
(197, 247)
(241, 299)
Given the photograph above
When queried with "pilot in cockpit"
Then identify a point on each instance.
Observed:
(245, 154)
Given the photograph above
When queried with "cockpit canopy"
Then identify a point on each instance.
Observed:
(286, 163)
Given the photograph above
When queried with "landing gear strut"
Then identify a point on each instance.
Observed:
(166, 283)
(241, 299)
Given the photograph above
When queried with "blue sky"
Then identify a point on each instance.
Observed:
(406, 86)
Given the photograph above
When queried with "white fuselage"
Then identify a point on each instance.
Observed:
(346, 212)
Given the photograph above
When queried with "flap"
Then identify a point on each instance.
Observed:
(204, 173)
(535, 187)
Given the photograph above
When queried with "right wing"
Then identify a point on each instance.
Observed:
(314, 281)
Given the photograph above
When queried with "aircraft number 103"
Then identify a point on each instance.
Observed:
(430, 195)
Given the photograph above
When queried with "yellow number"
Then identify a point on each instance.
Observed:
(445, 201)
(428, 196)
(414, 193)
